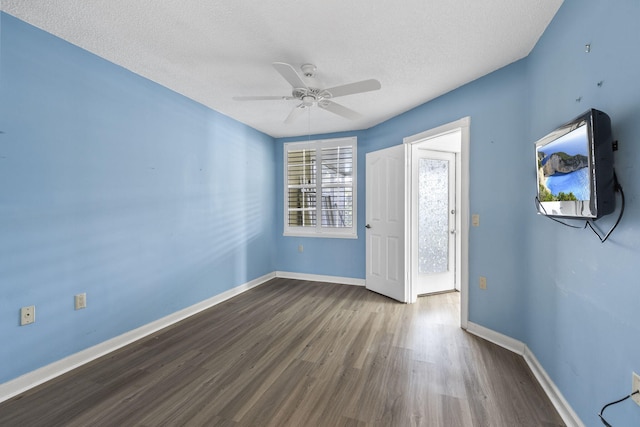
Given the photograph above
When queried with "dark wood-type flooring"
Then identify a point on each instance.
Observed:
(298, 353)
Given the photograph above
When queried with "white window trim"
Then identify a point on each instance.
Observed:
(319, 231)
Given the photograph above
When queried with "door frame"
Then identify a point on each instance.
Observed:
(428, 139)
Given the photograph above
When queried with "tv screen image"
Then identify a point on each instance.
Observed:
(575, 169)
(564, 168)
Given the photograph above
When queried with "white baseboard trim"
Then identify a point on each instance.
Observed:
(34, 378)
(567, 414)
(320, 278)
(569, 417)
(502, 340)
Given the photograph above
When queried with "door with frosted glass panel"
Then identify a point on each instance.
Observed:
(435, 201)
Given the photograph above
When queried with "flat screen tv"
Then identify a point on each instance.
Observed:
(575, 169)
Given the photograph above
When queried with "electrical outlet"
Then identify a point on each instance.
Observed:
(635, 387)
(27, 315)
(483, 282)
(80, 301)
(475, 220)
(300, 248)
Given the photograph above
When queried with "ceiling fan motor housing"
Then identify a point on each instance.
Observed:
(310, 95)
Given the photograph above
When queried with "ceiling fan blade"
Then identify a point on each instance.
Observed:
(353, 88)
(290, 74)
(261, 98)
(340, 110)
(297, 110)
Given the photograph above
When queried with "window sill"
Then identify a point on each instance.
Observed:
(327, 235)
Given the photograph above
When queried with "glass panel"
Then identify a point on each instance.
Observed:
(337, 207)
(302, 207)
(337, 182)
(337, 165)
(301, 167)
(433, 216)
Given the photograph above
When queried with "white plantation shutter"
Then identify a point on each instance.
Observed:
(337, 186)
(301, 179)
(320, 188)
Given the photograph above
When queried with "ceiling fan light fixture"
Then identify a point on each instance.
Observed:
(308, 100)
(310, 92)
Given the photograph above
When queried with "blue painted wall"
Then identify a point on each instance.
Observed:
(573, 300)
(583, 297)
(115, 186)
(101, 191)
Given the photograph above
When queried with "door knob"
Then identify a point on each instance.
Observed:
(367, 226)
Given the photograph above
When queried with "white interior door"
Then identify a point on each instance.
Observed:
(434, 257)
(385, 210)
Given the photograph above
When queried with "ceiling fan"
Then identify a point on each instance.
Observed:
(307, 89)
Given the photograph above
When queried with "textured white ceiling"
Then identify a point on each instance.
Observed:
(211, 51)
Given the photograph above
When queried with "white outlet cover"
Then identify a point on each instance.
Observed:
(636, 386)
(27, 315)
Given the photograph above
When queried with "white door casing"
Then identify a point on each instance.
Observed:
(393, 288)
(385, 223)
(436, 139)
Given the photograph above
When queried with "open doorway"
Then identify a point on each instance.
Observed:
(437, 212)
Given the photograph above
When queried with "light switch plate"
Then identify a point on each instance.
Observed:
(80, 301)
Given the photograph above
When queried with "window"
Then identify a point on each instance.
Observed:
(320, 188)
